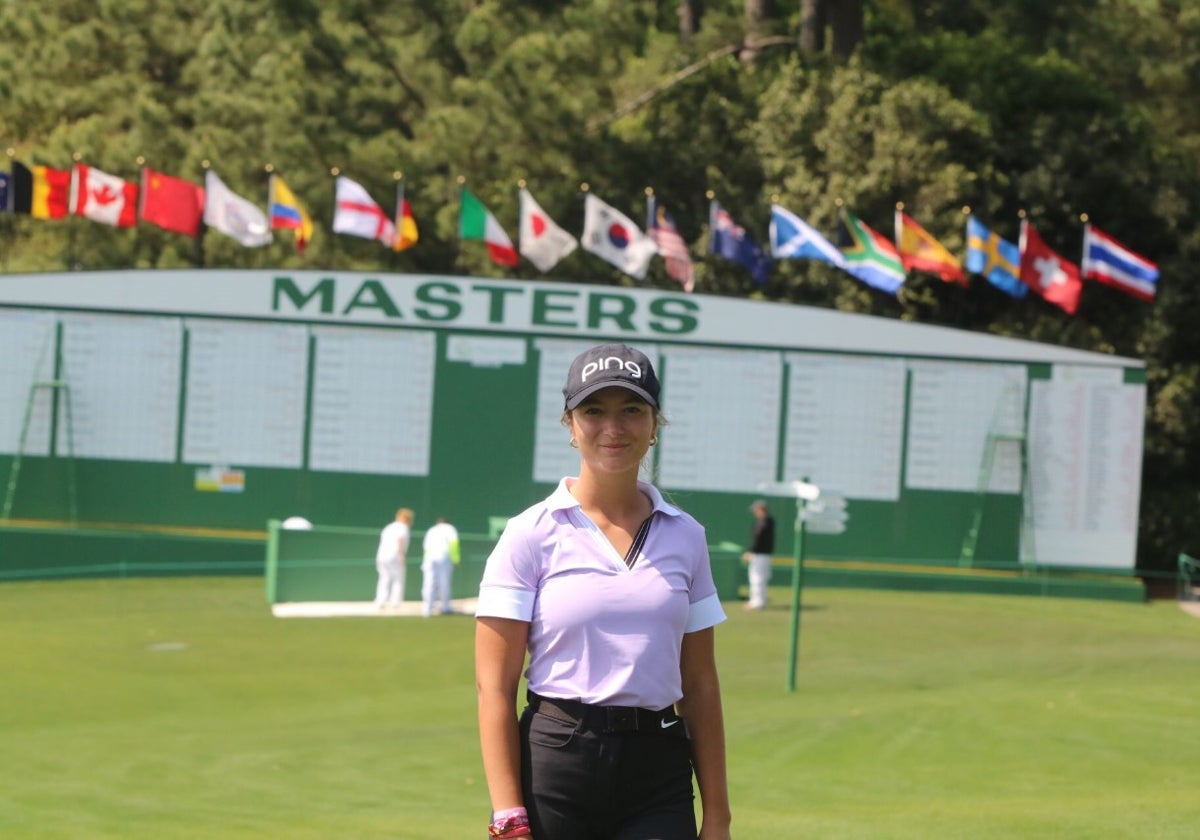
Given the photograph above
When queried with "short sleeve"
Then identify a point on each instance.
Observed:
(704, 609)
(509, 585)
(704, 613)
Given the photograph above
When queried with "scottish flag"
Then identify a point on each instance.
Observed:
(793, 239)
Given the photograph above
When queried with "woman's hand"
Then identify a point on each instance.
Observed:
(709, 833)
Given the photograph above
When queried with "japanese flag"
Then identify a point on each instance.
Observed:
(543, 242)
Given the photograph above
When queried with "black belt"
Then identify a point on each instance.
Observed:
(607, 718)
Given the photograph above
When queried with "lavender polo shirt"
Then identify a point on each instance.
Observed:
(599, 631)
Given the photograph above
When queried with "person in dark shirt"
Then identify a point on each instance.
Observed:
(762, 544)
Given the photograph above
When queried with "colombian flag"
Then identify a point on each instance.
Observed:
(287, 214)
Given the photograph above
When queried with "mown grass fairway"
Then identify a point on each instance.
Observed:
(179, 708)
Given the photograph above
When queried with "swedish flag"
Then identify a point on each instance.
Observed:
(996, 259)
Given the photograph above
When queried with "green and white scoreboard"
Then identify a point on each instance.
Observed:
(222, 399)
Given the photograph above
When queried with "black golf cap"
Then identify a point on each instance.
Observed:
(608, 366)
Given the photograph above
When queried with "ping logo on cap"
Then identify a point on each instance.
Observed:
(628, 365)
(610, 365)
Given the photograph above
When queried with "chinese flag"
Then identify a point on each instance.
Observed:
(1054, 278)
(172, 203)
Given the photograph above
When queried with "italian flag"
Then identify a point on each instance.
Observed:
(476, 222)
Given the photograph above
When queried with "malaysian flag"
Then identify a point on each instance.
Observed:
(661, 228)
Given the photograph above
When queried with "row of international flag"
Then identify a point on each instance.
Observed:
(181, 206)
(1014, 268)
(184, 207)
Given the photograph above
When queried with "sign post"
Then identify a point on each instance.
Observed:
(804, 493)
(797, 587)
(819, 512)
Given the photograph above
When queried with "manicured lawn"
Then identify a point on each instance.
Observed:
(168, 708)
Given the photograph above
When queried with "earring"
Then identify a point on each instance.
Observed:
(654, 440)
(574, 443)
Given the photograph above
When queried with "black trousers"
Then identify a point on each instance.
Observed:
(582, 783)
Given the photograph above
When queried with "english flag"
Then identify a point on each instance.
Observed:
(357, 214)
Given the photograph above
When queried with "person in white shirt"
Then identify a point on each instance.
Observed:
(437, 567)
(389, 559)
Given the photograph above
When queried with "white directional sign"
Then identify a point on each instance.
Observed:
(826, 514)
(826, 504)
(824, 526)
(792, 489)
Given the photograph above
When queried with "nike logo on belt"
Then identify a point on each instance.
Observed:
(665, 724)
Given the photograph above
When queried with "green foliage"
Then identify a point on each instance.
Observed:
(1057, 110)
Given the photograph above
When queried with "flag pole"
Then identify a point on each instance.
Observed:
(712, 219)
(140, 160)
(201, 254)
(397, 217)
(334, 172)
(1086, 221)
(269, 168)
(584, 187)
(72, 226)
(521, 185)
(966, 211)
(9, 218)
(462, 186)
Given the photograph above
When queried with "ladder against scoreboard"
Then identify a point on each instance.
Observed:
(971, 539)
(60, 395)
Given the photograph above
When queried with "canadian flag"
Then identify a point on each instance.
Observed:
(103, 198)
(1057, 280)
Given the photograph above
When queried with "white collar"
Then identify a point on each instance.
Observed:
(561, 498)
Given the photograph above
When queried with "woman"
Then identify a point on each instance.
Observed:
(610, 591)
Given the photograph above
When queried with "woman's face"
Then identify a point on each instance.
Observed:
(613, 428)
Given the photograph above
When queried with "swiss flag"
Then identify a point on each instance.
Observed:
(102, 197)
(1057, 280)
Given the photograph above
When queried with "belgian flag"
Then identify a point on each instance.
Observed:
(40, 191)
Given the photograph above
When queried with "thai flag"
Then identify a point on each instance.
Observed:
(1107, 260)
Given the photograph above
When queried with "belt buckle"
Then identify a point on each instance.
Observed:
(621, 719)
